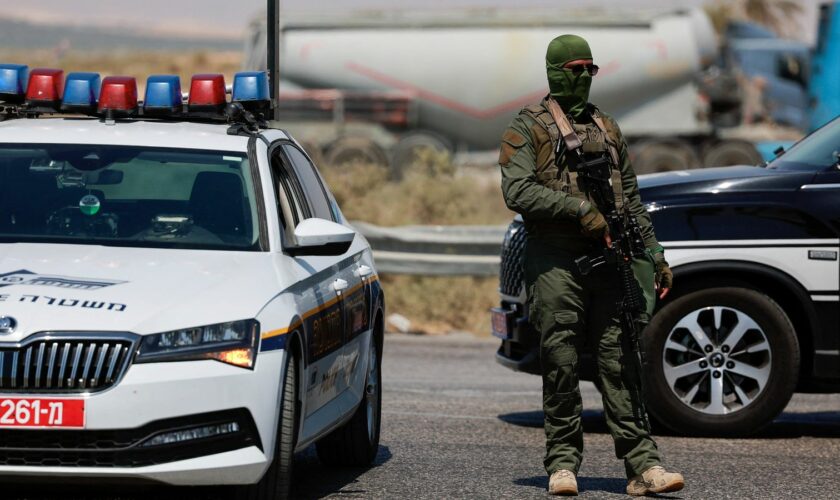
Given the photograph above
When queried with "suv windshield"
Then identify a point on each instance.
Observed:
(127, 196)
(818, 151)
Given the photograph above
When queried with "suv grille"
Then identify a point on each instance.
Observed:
(513, 249)
(64, 364)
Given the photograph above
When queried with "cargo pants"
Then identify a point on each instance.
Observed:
(566, 307)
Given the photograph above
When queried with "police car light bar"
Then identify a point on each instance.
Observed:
(163, 96)
(81, 92)
(45, 88)
(118, 96)
(250, 88)
(13, 78)
(207, 93)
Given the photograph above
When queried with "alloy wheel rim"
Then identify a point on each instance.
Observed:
(717, 360)
(372, 392)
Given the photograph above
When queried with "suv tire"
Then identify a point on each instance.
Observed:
(695, 384)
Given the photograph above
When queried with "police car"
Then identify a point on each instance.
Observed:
(755, 312)
(181, 298)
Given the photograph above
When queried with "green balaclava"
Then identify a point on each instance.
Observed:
(569, 90)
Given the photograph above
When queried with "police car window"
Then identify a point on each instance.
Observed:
(287, 187)
(128, 196)
(311, 183)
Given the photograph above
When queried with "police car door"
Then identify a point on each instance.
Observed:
(333, 279)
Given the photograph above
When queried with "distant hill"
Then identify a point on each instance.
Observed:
(23, 35)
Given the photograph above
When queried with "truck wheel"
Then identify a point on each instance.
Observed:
(406, 151)
(357, 442)
(277, 480)
(725, 153)
(663, 156)
(348, 150)
(722, 361)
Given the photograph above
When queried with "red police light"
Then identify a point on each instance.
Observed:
(118, 96)
(207, 93)
(45, 88)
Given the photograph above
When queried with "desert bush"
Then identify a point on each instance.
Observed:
(432, 192)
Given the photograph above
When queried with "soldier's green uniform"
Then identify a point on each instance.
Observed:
(564, 305)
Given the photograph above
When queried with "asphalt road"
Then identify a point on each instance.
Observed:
(457, 425)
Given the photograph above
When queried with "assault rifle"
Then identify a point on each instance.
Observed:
(594, 169)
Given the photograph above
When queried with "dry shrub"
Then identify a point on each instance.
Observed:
(442, 304)
(430, 193)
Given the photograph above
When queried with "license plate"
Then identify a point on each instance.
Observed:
(501, 322)
(32, 413)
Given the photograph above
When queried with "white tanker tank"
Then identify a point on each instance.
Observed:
(471, 71)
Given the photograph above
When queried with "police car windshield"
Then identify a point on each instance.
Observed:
(127, 196)
(818, 151)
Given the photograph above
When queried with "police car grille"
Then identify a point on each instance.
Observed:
(64, 365)
(513, 248)
(124, 447)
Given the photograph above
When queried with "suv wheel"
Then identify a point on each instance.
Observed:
(357, 442)
(723, 361)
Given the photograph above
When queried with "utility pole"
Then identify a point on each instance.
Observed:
(273, 55)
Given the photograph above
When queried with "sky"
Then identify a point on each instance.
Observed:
(229, 18)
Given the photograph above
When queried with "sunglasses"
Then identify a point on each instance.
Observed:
(577, 69)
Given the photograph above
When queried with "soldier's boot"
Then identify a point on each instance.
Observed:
(655, 480)
(563, 482)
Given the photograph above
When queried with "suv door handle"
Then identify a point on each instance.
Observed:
(363, 271)
(340, 285)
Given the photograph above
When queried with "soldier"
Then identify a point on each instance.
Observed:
(565, 306)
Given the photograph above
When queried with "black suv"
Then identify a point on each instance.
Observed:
(755, 312)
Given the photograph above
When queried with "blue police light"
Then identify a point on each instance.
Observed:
(81, 92)
(13, 78)
(163, 95)
(250, 88)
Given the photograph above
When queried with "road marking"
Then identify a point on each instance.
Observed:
(464, 392)
(440, 415)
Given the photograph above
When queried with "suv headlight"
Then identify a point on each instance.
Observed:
(234, 343)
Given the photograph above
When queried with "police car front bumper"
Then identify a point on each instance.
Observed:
(153, 426)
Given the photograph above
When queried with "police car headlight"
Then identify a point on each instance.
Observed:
(234, 343)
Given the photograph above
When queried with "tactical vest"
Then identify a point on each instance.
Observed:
(545, 135)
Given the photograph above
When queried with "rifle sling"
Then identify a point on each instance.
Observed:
(567, 133)
(599, 122)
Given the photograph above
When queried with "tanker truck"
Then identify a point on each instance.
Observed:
(468, 72)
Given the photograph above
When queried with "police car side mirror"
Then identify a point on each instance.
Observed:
(321, 237)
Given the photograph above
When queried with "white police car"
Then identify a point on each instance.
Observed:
(181, 299)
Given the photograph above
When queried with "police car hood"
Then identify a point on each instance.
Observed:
(94, 288)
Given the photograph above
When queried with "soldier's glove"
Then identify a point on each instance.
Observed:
(664, 276)
(591, 221)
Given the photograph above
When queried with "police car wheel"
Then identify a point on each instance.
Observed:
(277, 480)
(357, 442)
(722, 361)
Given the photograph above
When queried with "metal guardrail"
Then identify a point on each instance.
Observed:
(435, 250)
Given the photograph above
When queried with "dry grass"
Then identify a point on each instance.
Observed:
(439, 305)
(431, 193)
